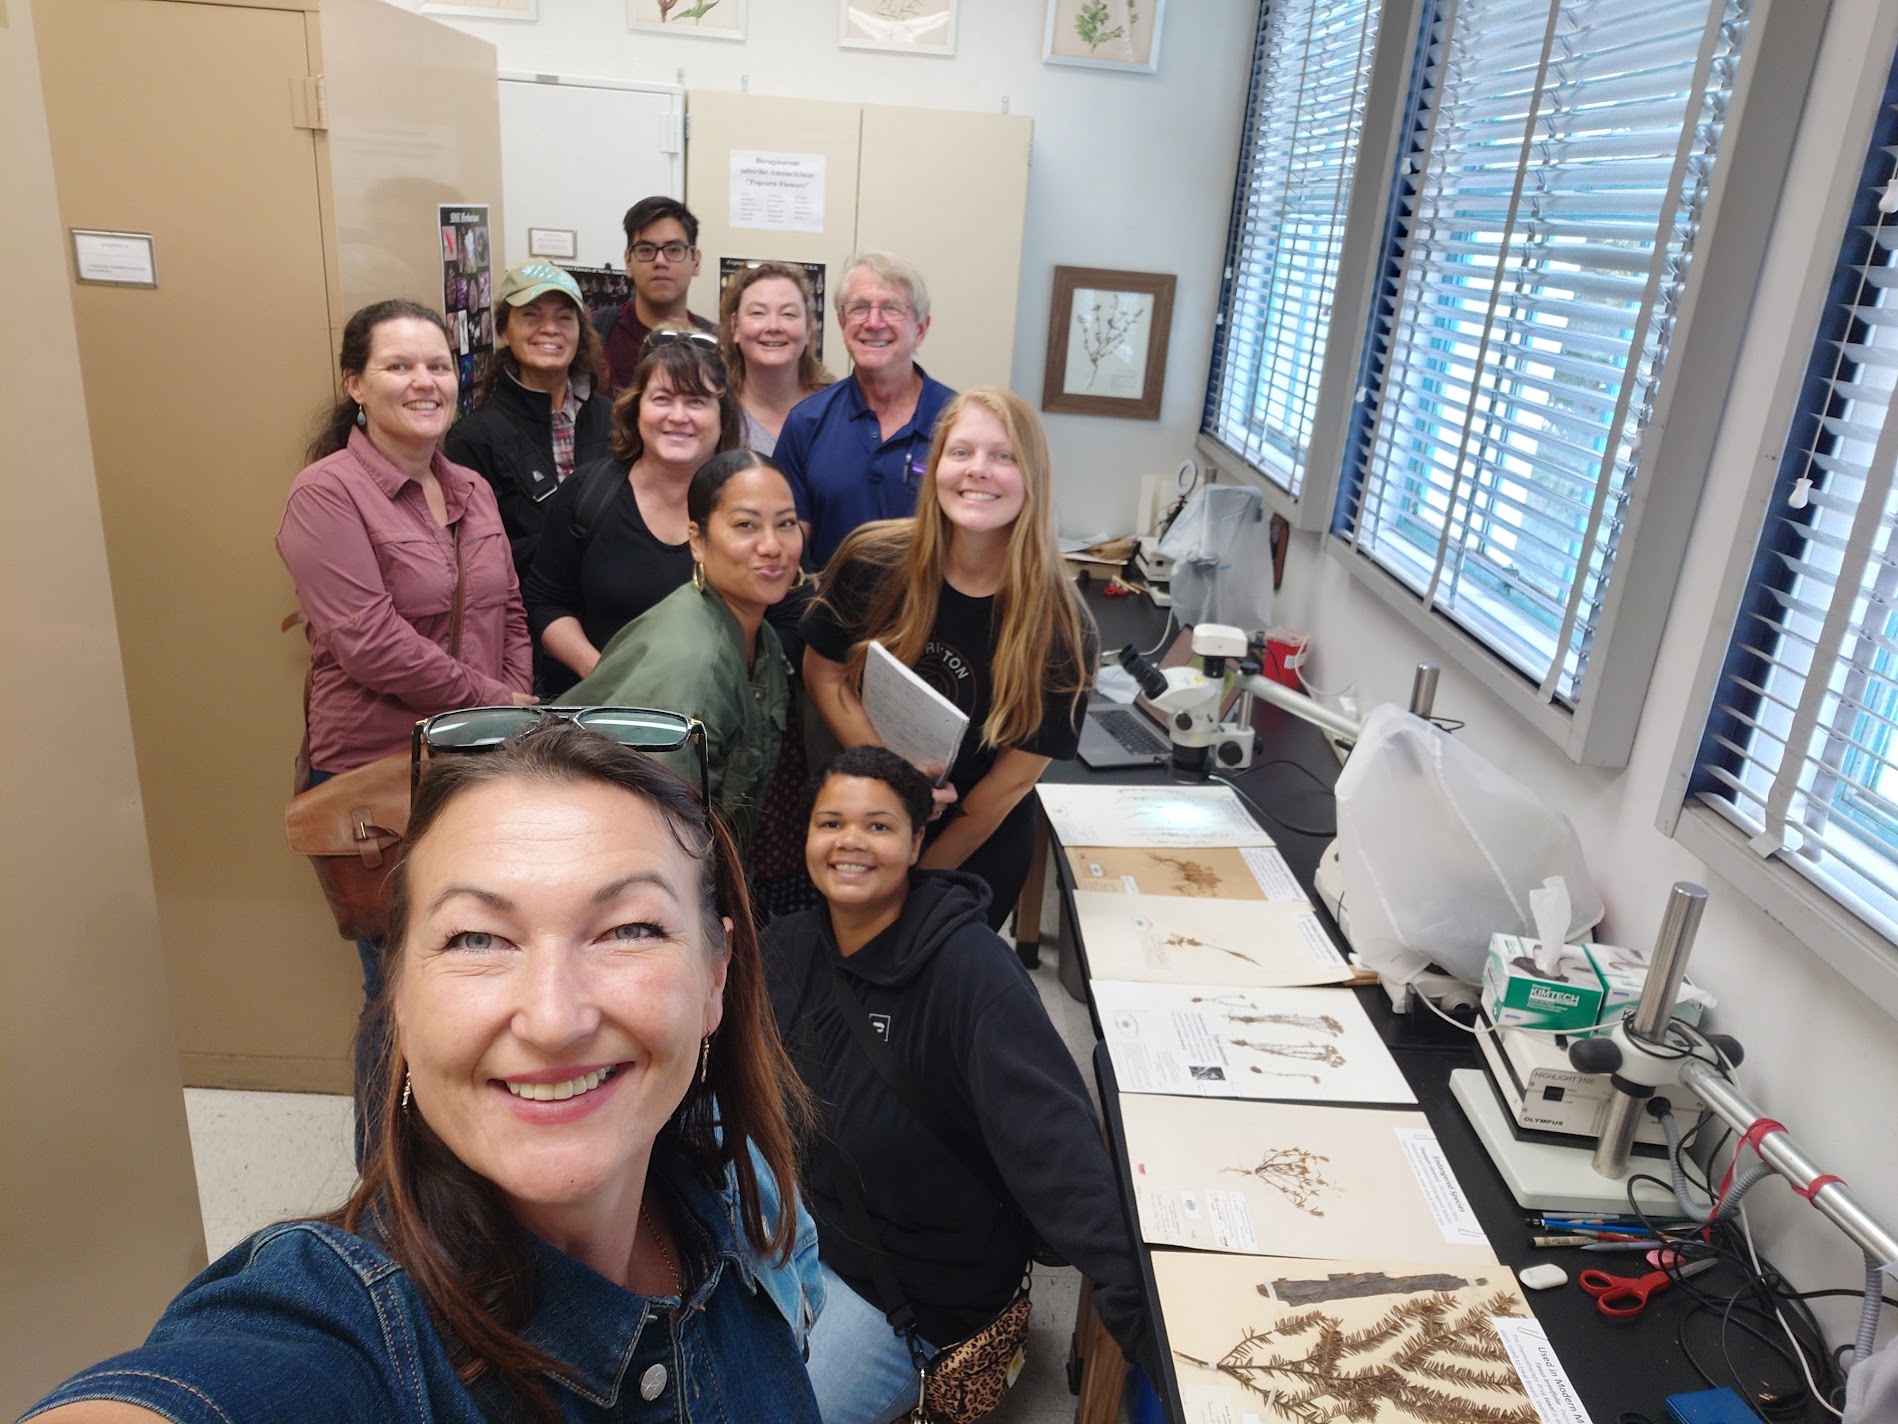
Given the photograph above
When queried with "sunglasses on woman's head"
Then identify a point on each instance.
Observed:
(482, 729)
(666, 335)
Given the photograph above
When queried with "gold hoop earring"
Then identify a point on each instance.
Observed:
(407, 1085)
(698, 576)
(801, 579)
(705, 1057)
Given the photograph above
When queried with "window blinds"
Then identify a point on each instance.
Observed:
(1543, 225)
(1800, 746)
(1312, 64)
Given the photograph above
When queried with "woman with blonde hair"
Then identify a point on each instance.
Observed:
(970, 594)
(767, 330)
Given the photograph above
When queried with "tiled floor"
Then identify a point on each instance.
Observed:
(262, 1157)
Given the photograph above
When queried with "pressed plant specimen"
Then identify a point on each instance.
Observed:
(1104, 325)
(1325, 1053)
(1191, 877)
(1422, 1358)
(1311, 1023)
(1166, 941)
(1294, 1173)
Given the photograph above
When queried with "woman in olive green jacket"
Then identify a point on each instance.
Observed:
(706, 649)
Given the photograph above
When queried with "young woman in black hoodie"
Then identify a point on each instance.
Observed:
(1012, 1150)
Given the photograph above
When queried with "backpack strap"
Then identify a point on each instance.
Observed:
(600, 481)
(605, 319)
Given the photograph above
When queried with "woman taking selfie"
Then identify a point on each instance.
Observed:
(614, 540)
(767, 328)
(971, 594)
(542, 1232)
(706, 649)
(934, 1210)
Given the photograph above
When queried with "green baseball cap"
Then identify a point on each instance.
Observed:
(529, 280)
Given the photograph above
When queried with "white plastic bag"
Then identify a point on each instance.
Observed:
(1440, 850)
(1221, 547)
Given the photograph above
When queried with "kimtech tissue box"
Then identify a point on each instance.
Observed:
(1517, 994)
(1624, 973)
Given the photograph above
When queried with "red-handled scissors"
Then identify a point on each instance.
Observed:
(1625, 1296)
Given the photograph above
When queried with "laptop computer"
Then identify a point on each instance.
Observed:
(1115, 735)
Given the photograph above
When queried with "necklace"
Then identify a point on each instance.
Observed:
(665, 1252)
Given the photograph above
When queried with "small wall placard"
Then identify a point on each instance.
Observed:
(114, 259)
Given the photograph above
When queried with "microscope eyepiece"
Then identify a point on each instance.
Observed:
(1152, 681)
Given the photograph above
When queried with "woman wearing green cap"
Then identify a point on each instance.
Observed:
(544, 411)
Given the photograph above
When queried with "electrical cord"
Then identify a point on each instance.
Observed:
(1314, 832)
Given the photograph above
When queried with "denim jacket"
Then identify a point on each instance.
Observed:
(306, 1322)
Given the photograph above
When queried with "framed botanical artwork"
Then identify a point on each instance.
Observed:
(900, 26)
(1107, 336)
(1104, 34)
(704, 19)
(484, 9)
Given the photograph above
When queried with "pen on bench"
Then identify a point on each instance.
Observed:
(1550, 1242)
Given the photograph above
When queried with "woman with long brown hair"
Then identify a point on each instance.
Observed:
(580, 1063)
(970, 594)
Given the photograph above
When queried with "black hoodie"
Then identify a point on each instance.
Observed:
(962, 1017)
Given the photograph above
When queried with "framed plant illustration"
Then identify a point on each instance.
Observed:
(1104, 34)
(1107, 338)
(901, 26)
(705, 19)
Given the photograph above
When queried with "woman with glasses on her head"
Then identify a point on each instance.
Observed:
(570, 1212)
(706, 648)
(401, 565)
(614, 540)
(970, 593)
(767, 328)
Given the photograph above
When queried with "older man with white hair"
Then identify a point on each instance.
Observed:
(856, 450)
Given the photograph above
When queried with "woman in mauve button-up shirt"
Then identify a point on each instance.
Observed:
(372, 535)
(369, 535)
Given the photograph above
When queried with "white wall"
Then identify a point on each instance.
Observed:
(1820, 1056)
(1131, 171)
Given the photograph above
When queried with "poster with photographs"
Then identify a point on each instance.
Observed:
(468, 295)
(728, 267)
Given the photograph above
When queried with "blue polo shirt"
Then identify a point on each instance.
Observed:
(843, 472)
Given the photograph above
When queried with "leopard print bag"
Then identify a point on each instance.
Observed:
(967, 1381)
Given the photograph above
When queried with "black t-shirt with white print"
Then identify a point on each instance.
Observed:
(955, 662)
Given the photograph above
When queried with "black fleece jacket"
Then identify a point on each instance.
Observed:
(962, 1017)
(509, 441)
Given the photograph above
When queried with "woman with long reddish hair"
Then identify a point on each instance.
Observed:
(570, 1211)
(970, 594)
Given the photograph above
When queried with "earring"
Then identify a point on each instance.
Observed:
(362, 416)
(407, 1084)
(705, 1057)
(698, 576)
(801, 579)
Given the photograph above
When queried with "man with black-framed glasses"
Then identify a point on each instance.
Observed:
(856, 451)
(662, 258)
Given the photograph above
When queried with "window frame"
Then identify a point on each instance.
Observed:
(1768, 97)
(1824, 925)
(1392, 65)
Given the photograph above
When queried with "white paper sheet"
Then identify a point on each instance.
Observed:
(777, 192)
(914, 720)
(1309, 1181)
(1217, 1041)
(1150, 816)
(1178, 939)
(1287, 1341)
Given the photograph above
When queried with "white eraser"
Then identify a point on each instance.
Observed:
(1546, 1276)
